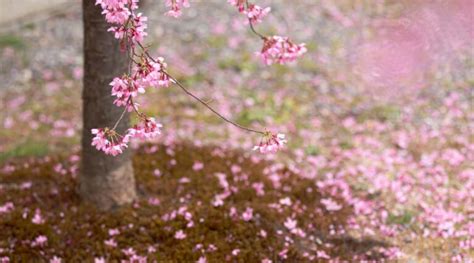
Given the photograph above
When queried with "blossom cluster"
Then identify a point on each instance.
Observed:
(254, 13)
(120, 14)
(271, 143)
(147, 129)
(110, 142)
(276, 49)
(240, 4)
(281, 50)
(176, 6)
(145, 72)
(134, 28)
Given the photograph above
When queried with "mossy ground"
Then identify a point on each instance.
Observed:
(76, 231)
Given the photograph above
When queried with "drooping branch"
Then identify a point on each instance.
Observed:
(146, 71)
(212, 109)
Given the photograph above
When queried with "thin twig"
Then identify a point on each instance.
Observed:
(121, 116)
(210, 108)
(199, 99)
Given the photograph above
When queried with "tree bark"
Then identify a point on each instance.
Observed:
(105, 181)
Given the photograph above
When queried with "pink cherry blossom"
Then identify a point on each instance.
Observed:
(146, 129)
(114, 232)
(271, 143)
(109, 141)
(197, 166)
(55, 259)
(330, 204)
(110, 242)
(115, 12)
(212, 248)
(290, 223)
(119, 31)
(153, 201)
(39, 241)
(7, 207)
(151, 73)
(119, 87)
(157, 172)
(129, 251)
(255, 13)
(259, 188)
(180, 234)
(322, 254)
(111, 3)
(176, 6)
(217, 202)
(151, 249)
(248, 214)
(124, 89)
(286, 201)
(38, 218)
(240, 4)
(135, 30)
(280, 50)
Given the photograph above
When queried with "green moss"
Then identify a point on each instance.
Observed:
(241, 64)
(312, 150)
(404, 219)
(29, 26)
(217, 41)
(26, 149)
(346, 144)
(12, 41)
(248, 116)
(381, 113)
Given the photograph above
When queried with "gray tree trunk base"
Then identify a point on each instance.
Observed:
(109, 190)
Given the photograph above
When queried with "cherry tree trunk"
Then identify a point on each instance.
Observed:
(105, 181)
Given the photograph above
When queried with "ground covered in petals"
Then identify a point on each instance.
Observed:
(258, 216)
(379, 121)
